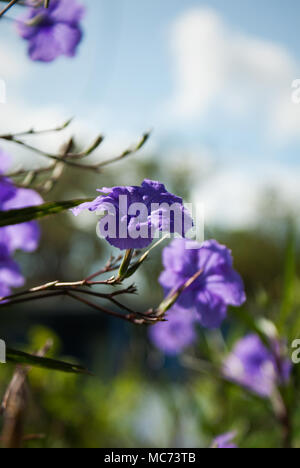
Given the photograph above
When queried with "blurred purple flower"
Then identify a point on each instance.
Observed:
(7, 191)
(10, 275)
(4, 162)
(176, 334)
(254, 366)
(218, 286)
(53, 31)
(23, 236)
(135, 213)
(225, 441)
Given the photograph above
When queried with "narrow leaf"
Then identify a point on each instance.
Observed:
(19, 357)
(8, 218)
(125, 264)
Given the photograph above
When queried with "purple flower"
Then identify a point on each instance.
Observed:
(23, 236)
(218, 286)
(134, 214)
(7, 191)
(225, 441)
(176, 334)
(10, 275)
(254, 366)
(53, 31)
(4, 162)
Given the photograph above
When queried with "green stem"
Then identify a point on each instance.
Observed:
(125, 264)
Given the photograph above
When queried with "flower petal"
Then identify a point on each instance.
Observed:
(7, 191)
(176, 334)
(211, 310)
(25, 236)
(229, 287)
(67, 11)
(23, 198)
(50, 42)
(91, 206)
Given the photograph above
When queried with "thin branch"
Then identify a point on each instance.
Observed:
(84, 287)
(68, 158)
(8, 7)
(128, 152)
(110, 298)
(112, 265)
(31, 298)
(32, 131)
(129, 317)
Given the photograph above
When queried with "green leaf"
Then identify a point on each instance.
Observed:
(18, 357)
(8, 218)
(125, 264)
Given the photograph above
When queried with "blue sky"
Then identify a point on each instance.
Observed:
(215, 75)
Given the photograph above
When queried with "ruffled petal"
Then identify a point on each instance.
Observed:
(179, 259)
(67, 38)
(255, 367)
(25, 236)
(125, 244)
(91, 206)
(229, 287)
(24, 28)
(211, 310)
(7, 191)
(213, 256)
(66, 11)
(176, 334)
(133, 206)
(23, 198)
(45, 45)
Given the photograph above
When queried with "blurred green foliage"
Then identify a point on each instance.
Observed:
(141, 408)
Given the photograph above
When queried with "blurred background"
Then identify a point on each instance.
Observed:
(213, 80)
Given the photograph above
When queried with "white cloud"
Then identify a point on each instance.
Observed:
(13, 66)
(19, 116)
(232, 196)
(198, 47)
(217, 68)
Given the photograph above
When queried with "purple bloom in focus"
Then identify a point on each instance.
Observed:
(134, 214)
(225, 441)
(218, 286)
(53, 31)
(176, 334)
(254, 366)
